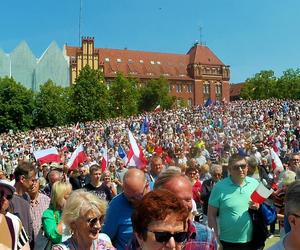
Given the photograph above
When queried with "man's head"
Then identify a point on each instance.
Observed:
(25, 175)
(95, 173)
(156, 165)
(216, 172)
(82, 171)
(177, 183)
(135, 185)
(292, 206)
(54, 176)
(252, 165)
(238, 167)
(294, 163)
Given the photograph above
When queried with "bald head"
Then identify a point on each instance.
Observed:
(178, 184)
(134, 184)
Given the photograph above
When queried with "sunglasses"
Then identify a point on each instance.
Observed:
(242, 166)
(163, 237)
(93, 221)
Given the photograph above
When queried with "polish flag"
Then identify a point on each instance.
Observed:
(77, 157)
(157, 109)
(135, 155)
(276, 162)
(261, 193)
(104, 160)
(47, 155)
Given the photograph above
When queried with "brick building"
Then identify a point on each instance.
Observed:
(195, 76)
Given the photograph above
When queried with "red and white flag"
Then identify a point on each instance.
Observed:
(77, 157)
(157, 109)
(261, 193)
(104, 160)
(47, 155)
(276, 162)
(135, 155)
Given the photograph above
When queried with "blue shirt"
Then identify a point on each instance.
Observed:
(118, 225)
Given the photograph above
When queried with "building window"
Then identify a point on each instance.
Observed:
(178, 88)
(190, 102)
(119, 60)
(158, 62)
(190, 88)
(206, 91)
(218, 91)
(106, 59)
(141, 61)
(152, 62)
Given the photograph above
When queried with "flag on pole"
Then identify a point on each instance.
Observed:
(47, 155)
(122, 154)
(135, 155)
(208, 102)
(261, 193)
(77, 157)
(145, 126)
(104, 160)
(276, 162)
(157, 108)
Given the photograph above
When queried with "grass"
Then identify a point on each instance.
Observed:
(270, 242)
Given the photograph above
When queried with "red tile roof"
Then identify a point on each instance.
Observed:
(151, 64)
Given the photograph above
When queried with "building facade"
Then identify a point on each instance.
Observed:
(26, 68)
(196, 76)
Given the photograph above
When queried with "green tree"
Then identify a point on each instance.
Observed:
(51, 105)
(16, 106)
(89, 96)
(123, 96)
(288, 85)
(261, 86)
(156, 92)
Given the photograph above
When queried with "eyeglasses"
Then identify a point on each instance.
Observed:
(93, 221)
(237, 167)
(164, 237)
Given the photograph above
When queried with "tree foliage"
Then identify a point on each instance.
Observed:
(155, 92)
(16, 106)
(124, 96)
(89, 96)
(265, 85)
(51, 105)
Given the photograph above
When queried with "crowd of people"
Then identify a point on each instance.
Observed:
(203, 164)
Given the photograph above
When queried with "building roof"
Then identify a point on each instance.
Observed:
(144, 64)
(235, 89)
(203, 55)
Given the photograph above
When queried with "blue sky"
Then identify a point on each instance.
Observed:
(248, 35)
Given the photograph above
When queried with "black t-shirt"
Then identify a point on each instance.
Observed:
(103, 191)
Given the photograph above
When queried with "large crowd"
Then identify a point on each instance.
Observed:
(203, 164)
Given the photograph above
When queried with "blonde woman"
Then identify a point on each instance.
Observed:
(83, 216)
(51, 219)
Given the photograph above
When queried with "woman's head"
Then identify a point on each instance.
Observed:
(59, 194)
(157, 217)
(83, 214)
